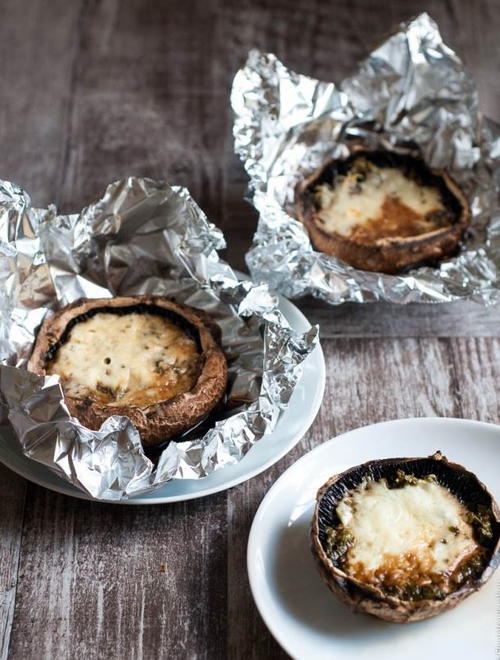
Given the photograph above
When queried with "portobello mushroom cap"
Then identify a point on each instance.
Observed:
(156, 421)
(361, 596)
(386, 254)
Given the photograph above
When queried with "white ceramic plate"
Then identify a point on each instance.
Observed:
(299, 610)
(293, 424)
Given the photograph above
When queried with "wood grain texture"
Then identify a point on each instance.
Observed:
(477, 377)
(12, 500)
(38, 55)
(456, 319)
(94, 90)
(101, 581)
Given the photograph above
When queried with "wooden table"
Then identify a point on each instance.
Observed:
(92, 91)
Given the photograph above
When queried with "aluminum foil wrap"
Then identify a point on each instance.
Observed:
(411, 94)
(142, 237)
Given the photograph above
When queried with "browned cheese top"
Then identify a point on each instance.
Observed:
(132, 359)
(371, 203)
(419, 534)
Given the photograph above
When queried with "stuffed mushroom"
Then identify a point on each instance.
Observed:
(383, 211)
(153, 360)
(405, 538)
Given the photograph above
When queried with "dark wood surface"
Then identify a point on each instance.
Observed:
(94, 91)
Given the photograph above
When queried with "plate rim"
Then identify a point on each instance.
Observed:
(142, 500)
(259, 514)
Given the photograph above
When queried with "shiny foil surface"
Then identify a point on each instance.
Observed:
(412, 94)
(142, 237)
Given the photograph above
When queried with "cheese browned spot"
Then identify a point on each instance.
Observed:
(370, 202)
(130, 359)
(415, 534)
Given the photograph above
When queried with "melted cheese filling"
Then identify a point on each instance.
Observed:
(379, 202)
(405, 534)
(129, 359)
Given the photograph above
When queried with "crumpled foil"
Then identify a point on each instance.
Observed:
(412, 94)
(142, 237)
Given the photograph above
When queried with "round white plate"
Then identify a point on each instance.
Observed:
(305, 618)
(293, 424)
